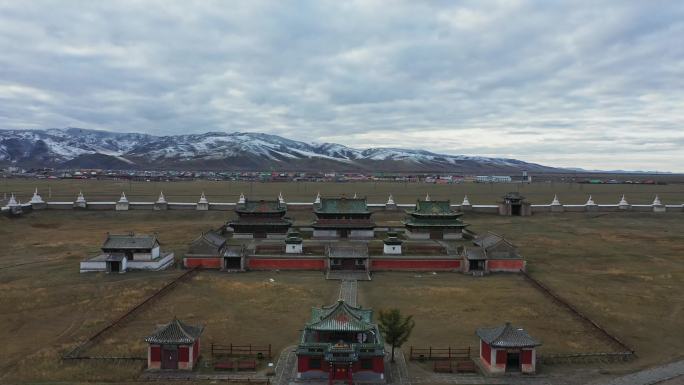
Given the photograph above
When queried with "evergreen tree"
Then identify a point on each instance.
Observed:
(395, 328)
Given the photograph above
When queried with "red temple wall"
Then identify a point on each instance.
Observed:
(209, 263)
(526, 357)
(303, 364)
(285, 264)
(501, 357)
(505, 265)
(195, 350)
(183, 354)
(486, 352)
(155, 353)
(415, 264)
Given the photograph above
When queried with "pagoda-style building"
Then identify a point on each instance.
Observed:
(341, 342)
(342, 218)
(260, 219)
(434, 220)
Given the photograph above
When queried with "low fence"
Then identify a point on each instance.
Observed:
(575, 358)
(434, 354)
(258, 351)
(75, 353)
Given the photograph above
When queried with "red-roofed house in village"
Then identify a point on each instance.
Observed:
(506, 349)
(175, 345)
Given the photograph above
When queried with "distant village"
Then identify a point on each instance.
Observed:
(275, 176)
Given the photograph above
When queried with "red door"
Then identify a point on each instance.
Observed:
(169, 358)
(340, 373)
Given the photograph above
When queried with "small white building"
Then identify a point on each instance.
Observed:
(293, 243)
(121, 253)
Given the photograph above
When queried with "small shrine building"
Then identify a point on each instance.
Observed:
(174, 346)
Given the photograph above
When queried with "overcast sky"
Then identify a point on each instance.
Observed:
(593, 84)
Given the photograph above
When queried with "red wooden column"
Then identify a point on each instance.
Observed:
(331, 373)
(349, 374)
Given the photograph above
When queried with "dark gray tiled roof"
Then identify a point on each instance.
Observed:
(335, 251)
(207, 243)
(341, 317)
(475, 253)
(488, 240)
(234, 251)
(129, 241)
(175, 332)
(507, 336)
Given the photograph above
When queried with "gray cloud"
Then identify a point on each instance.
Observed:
(596, 84)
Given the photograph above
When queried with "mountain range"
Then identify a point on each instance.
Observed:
(70, 148)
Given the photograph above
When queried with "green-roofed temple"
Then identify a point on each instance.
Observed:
(434, 220)
(341, 342)
(260, 219)
(342, 218)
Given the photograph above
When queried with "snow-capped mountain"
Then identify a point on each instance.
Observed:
(75, 148)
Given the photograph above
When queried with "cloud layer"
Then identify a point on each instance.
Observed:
(594, 84)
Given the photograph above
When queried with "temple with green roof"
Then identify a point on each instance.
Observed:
(341, 342)
(434, 220)
(342, 218)
(260, 219)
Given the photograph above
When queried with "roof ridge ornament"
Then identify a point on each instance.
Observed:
(427, 197)
(390, 200)
(318, 198)
(555, 201)
(281, 200)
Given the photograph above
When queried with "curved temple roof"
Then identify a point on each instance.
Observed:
(341, 317)
(507, 336)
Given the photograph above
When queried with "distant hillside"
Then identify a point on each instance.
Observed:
(81, 148)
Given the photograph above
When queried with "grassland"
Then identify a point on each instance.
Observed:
(623, 269)
(537, 193)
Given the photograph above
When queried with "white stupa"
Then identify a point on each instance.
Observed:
(390, 200)
(590, 202)
(318, 198)
(354, 195)
(161, 198)
(465, 202)
(555, 201)
(427, 197)
(623, 201)
(80, 198)
(203, 198)
(280, 198)
(241, 200)
(656, 201)
(123, 198)
(12, 201)
(36, 198)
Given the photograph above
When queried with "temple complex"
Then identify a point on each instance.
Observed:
(260, 219)
(342, 218)
(341, 342)
(434, 220)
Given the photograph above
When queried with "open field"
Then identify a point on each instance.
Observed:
(448, 307)
(625, 270)
(376, 192)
